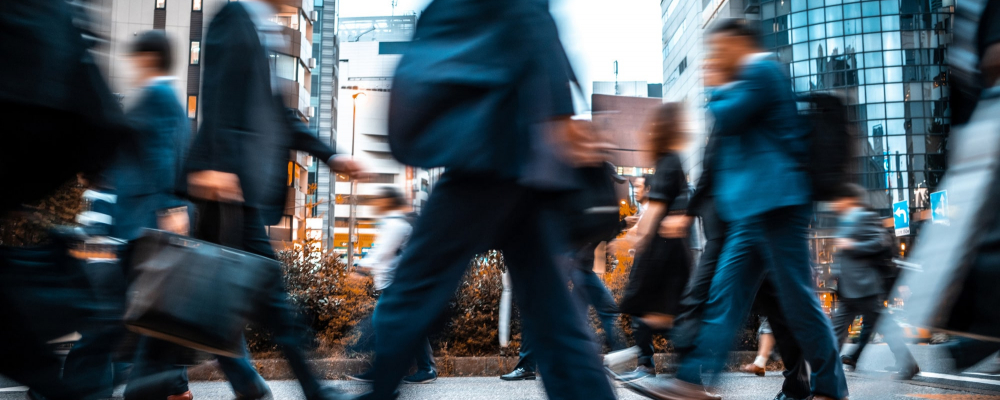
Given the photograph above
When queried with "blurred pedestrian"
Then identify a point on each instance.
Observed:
(763, 194)
(663, 262)
(641, 190)
(53, 101)
(395, 227)
(484, 91)
(765, 344)
(238, 169)
(861, 246)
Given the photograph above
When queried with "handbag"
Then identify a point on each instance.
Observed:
(195, 293)
(594, 213)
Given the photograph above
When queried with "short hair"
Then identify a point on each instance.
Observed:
(393, 194)
(157, 42)
(852, 190)
(737, 27)
(647, 179)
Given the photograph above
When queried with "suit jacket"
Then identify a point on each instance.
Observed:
(762, 144)
(476, 82)
(148, 169)
(245, 129)
(858, 275)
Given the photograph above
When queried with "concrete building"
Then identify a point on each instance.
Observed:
(628, 88)
(370, 50)
(186, 22)
(619, 119)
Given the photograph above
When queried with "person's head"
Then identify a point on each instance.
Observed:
(641, 185)
(666, 132)
(151, 54)
(849, 196)
(388, 199)
(729, 41)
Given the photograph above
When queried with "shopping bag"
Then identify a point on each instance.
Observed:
(195, 293)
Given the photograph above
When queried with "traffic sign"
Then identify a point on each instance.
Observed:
(939, 207)
(901, 217)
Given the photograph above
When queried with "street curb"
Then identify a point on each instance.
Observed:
(277, 369)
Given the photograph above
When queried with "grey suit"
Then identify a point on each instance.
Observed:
(855, 267)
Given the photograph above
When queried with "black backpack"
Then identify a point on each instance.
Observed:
(594, 213)
(829, 152)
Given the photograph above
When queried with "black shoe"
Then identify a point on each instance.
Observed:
(906, 373)
(519, 374)
(421, 377)
(783, 396)
(367, 376)
(850, 363)
(640, 372)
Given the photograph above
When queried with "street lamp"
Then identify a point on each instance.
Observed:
(351, 230)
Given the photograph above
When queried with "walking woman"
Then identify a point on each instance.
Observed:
(663, 262)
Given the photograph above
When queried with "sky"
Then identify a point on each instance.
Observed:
(594, 32)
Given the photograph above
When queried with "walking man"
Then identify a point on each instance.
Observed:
(763, 195)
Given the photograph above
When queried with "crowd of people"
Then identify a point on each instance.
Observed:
(484, 91)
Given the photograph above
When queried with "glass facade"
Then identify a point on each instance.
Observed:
(887, 60)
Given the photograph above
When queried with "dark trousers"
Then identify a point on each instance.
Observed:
(779, 239)
(871, 311)
(26, 359)
(688, 322)
(465, 216)
(277, 315)
(589, 290)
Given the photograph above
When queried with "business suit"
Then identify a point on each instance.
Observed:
(247, 131)
(761, 192)
(469, 94)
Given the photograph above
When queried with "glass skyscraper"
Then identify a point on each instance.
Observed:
(887, 60)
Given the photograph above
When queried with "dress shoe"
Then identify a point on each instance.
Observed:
(906, 373)
(753, 369)
(850, 363)
(183, 396)
(640, 372)
(367, 376)
(783, 396)
(421, 377)
(519, 374)
(670, 389)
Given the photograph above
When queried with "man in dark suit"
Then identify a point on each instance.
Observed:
(761, 192)
(484, 91)
(861, 245)
(238, 165)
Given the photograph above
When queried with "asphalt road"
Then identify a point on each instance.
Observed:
(869, 382)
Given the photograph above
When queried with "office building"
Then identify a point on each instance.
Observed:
(628, 88)
(370, 49)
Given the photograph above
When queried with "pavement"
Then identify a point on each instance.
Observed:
(869, 382)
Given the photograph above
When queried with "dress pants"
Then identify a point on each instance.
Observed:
(277, 315)
(589, 290)
(872, 312)
(467, 215)
(779, 239)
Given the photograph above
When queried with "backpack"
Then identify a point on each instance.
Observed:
(829, 151)
(594, 213)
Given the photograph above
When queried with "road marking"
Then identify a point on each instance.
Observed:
(14, 389)
(981, 374)
(959, 378)
(954, 396)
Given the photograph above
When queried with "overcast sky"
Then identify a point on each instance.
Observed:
(594, 32)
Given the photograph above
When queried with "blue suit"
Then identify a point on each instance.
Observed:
(469, 94)
(763, 195)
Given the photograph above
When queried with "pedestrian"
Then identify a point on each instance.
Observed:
(662, 265)
(381, 262)
(484, 91)
(237, 169)
(763, 195)
(861, 246)
(765, 344)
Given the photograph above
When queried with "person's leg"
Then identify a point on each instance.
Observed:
(968, 352)
(688, 321)
(558, 338)
(244, 379)
(460, 219)
(425, 358)
(868, 308)
(842, 320)
(643, 336)
(732, 290)
(892, 334)
(785, 252)
(589, 288)
(154, 374)
(797, 376)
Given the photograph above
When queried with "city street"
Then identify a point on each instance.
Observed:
(866, 383)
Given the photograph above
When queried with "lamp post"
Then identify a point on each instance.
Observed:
(351, 229)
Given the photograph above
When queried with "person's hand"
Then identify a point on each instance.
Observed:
(578, 142)
(346, 164)
(675, 226)
(630, 221)
(215, 186)
(175, 221)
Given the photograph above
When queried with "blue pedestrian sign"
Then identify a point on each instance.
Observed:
(901, 217)
(939, 207)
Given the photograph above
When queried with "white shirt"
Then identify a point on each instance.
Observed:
(394, 232)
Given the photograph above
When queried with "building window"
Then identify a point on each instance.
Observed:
(196, 5)
(195, 52)
(284, 66)
(161, 4)
(192, 106)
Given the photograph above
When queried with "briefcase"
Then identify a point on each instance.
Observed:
(195, 293)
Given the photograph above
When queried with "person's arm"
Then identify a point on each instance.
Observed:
(386, 247)
(734, 106)
(867, 238)
(649, 224)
